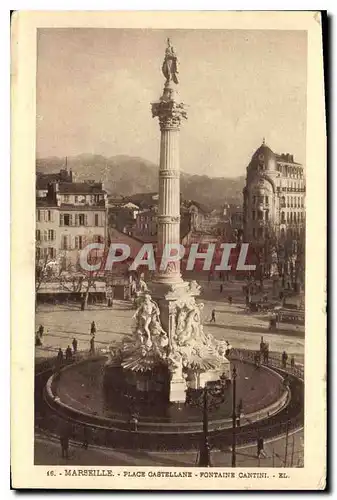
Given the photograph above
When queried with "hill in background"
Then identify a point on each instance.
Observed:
(126, 175)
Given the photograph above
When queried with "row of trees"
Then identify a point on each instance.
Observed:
(64, 276)
(282, 254)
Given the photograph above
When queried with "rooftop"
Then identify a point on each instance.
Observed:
(81, 188)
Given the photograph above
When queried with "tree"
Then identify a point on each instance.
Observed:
(46, 269)
(77, 282)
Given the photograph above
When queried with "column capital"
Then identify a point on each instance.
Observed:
(170, 114)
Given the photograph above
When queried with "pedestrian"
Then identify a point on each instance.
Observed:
(266, 354)
(69, 354)
(59, 355)
(292, 362)
(213, 316)
(261, 345)
(64, 441)
(93, 328)
(86, 434)
(221, 288)
(230, 300)
(38, 342)
(272, 323)
(74, 343)
(41, 331)
(260, 447)
(134, 422)
(92, 345)
(284, 359)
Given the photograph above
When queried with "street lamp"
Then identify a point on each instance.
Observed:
(234, 375)
(207, 398)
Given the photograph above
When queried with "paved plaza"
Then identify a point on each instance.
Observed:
(243, 330)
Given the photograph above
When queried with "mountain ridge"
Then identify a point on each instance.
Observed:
(127, 175)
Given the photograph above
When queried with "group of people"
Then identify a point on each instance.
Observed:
(264, 354)
(70, 352)
(285, 360)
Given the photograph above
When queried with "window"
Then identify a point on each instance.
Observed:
(38, 235)
(38, 253)
(44, 235)
(66, 198)
(253, 214)
(96, 220)
(49, 215)
(260, 232)
(294, 216)
(65, 242)
(287, 216)
(267, 200)
(291, 201)
(81, 220)
(67, 220)
(76, 198)
(283, 217)
(51, 235)
(254, 200)
(288, 204)
(38, 215)
(79, 242)
(267, 214)
(260, 215)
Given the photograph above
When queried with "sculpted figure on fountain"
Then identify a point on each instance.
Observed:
(149, 335)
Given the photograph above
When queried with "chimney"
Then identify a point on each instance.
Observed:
(53, 189)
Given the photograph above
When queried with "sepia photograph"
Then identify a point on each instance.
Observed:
(170, 255)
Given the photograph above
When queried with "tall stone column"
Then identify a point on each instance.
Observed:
(170, 114)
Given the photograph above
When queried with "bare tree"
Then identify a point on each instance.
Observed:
(47, 269)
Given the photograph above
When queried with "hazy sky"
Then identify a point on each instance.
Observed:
(95, 86)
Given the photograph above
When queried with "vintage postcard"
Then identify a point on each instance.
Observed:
(168, 251)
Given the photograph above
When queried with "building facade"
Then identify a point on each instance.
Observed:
(68, 217)
(274, 196)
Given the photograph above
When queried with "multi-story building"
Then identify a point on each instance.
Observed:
(68, 217)
(274, 195)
